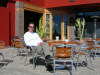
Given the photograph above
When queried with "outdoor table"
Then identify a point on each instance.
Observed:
(62, 42)
(53, 43)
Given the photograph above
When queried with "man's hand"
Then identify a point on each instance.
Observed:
(39, 44)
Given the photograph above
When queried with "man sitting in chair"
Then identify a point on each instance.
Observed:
(33, 40)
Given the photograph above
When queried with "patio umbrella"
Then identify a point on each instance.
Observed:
(95, 20)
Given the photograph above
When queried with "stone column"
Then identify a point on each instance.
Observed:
(19, 19)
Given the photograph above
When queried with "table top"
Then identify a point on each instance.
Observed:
(63, 42)
(54, 43)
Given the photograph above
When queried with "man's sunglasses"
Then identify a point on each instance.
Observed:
(31, 26)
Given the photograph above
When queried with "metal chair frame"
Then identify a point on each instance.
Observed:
(97, 46)
(2, 45)
(63, 58)
(34, 55)
(85, 50)
(18, 45)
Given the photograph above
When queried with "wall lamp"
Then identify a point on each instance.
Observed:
(72, 0)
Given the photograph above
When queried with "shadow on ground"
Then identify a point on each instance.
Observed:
(6, 62)
(39, 61)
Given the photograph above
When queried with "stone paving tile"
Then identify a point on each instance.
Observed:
(17, 67)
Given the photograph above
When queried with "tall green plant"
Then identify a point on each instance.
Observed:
(80, 27)
(41, 29)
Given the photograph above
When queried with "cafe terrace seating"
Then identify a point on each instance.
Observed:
(75, 49)
(85, 49)
(20, 46)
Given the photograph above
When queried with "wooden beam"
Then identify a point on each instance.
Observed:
(51, 27)
(62, 27)
(44, 19)
(57, 10)
(34, 8)
(68, 29)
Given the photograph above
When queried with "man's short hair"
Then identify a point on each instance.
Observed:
(30, 23)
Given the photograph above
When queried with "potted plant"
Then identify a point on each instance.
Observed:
(41, 30)
(80, 25)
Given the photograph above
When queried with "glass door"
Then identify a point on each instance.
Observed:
(56, 26)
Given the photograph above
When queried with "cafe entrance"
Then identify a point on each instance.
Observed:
(56, 23)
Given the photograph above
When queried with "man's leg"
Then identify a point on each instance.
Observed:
(48, 59)
(42, 49)
(46, 48)
(37, 49)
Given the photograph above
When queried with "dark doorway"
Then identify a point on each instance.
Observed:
(30, 16)
(3, 3)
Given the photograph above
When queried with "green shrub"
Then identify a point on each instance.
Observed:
(41, 29)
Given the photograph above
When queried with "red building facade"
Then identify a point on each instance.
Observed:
(12, 17)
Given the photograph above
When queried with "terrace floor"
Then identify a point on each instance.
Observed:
(17, 67)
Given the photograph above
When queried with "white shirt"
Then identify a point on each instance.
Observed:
(31, 38)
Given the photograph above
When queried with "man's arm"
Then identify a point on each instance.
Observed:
(39, 39)
(40, 42)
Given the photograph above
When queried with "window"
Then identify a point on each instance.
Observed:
(65, 25)
(48, 24)
(89, 27)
